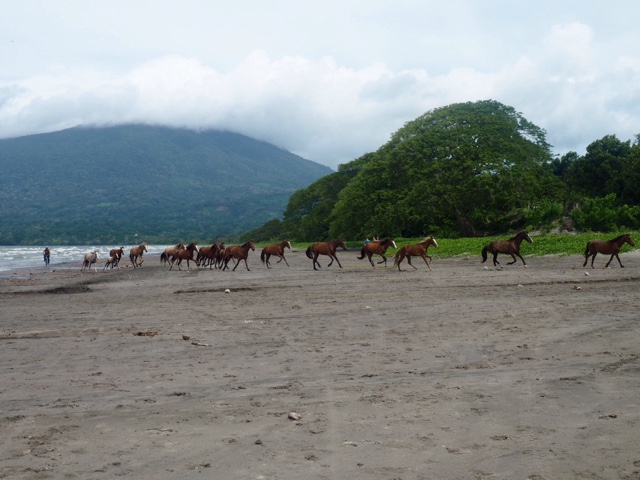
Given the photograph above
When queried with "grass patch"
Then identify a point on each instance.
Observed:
(550, 244)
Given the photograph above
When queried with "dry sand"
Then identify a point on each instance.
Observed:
(462, 372)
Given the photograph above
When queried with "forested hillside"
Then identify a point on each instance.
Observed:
(128, 183)
(468, 169)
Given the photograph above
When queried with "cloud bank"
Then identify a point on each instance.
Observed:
(330, 112)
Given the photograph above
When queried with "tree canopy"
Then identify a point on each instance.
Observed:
(465, 169)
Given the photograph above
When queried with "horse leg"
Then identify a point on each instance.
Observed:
(315, 260)
(495, 260)
(236, 265)
(409, 260)
(523, 262)
(245, 264)
(614, 255)
(593, 257)
(514, 259)
(370, 255)
(424, 257)
(339, 264)
(266, 260)
(285, 260)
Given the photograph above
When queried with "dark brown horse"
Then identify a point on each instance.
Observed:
(377, 248)
(325, 248)
(184, 254)
(607, 247)
(415, 250)
(508, 247)
(169, 252)
(209, 255)
(277, 250)
(136, 253)
(238, 253)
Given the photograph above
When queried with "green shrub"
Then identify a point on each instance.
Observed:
(603, 214)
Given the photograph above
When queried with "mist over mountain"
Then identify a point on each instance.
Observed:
(133, 183)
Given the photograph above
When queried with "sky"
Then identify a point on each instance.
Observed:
(328, 80)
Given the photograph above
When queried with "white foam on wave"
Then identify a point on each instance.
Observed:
(63, 256)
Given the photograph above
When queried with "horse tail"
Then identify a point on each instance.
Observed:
(398, 256)
(309, 253)
(262, 256)
(484, 254)
(361, 254)
(163, 257)
(586, 252)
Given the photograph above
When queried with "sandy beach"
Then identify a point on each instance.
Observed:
(463, 372)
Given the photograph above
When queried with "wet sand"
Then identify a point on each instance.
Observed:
(461, 372)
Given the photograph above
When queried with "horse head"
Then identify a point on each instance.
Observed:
(287, 244)
(341, 244)
(525, 236)
(629, 240)
(430, 241)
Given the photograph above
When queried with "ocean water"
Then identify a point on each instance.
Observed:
(68, 256)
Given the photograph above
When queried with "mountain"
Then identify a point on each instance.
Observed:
(134, 183)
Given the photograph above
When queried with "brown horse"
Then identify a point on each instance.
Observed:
(415, 250)
(135, 253)
(111, 262)
(608, 247)
(238, 253)
(377, 248)
(184, 254)
(325, 248)
(508, 247)
(209, 255)
(276, 250)
(116, 255)
(169, 252)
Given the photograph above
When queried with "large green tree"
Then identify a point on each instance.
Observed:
(602, 170)
(465, 169)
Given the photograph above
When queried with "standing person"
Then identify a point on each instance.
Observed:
(47, 255)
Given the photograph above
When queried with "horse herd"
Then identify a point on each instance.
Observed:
(218, 256)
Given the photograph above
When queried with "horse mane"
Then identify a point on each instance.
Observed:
(619, 237)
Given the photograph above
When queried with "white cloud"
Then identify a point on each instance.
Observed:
(328, 94)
